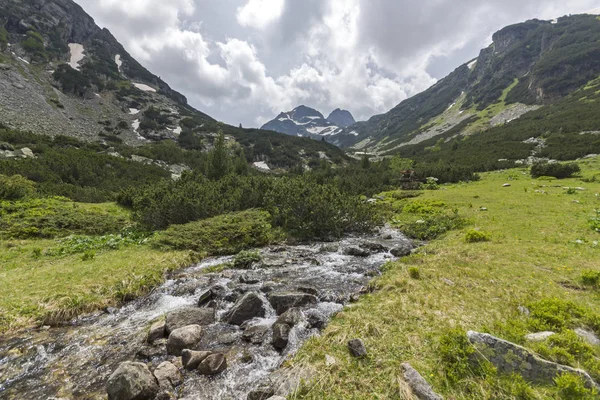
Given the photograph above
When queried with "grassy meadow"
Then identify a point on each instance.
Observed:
(528, 244)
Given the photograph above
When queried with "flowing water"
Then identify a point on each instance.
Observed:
(74, 362)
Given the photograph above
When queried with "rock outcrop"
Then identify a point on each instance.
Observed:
(419, 386)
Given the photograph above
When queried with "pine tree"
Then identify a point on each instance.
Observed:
(241, 163)
(365, 162)
(219, 163)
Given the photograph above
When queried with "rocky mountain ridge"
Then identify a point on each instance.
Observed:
(60, 74)
(307, 122)
(528, 66)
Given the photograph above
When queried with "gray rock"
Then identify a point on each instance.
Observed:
(316, 319)
(168, 376)
(276, 398)
(402, 250)
(206, 297)
(262, 393)
(506, 185)
(539, 336)
(281, 336)
(510, 358)
(291, 317)
(191, 359)
(255, 334)
(25, 152)
(213, 365)
(356, 251)
(283, 301)
(419, 386)
(132, 381)
(357, 348)
(184, 338)
(588, 336)
(189, 316)
(157, 331)
(250, 306)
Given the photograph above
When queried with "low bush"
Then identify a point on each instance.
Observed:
(556, 170)
(573, 387)
(425, 207)
(246, 259)
(81, 244)
(16, 188)
(225, 234)
(476, 236)
(414, 273)
(591, 278)
(57, 217)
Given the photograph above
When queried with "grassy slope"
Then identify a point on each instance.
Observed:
(38, 288)
(531, 252)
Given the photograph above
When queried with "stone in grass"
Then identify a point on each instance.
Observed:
(132, 381)
(539, 336)
(419, 386)
(588, 336)
(357, 348)
(510, 358)
(184, 338)
(213, 364)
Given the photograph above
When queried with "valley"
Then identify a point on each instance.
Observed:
(445, 249)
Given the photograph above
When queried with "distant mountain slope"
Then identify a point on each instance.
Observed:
(528, 66)
(341, 118)
(60, 74)
(308, 122)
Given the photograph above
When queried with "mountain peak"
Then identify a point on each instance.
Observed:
(308, 122)
(341, 118)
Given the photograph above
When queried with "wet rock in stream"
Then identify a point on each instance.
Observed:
(239, 326)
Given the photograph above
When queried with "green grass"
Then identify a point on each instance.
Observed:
(540, 245)
(45, 290)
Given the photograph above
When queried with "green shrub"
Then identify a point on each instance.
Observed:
(556, 170)
(572, 387)
(432, 226)
(595, 222)
(246, 259)
(414, 273)
(308, 210)
(424, 207)
(431, 183)
(224, 234)
(476, 236)
(16, 188)
(591, 278)
(57, 217)
(556, 315)
(34, 44)
(457, 354)
(81, 244)
(88, 255)
(71, 80)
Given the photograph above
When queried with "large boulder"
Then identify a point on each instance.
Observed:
(132, 381)
(189, 316)
(251, 305)
(402, 250)
(184, 338)
(168, 376)
(192, 359)
(316, 319)
(510, 358)
(281, 336)
(283, 301)
(419, 386)
(255, 334)
(213, 364)
(156, 332)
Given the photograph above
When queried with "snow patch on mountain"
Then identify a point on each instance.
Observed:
(76, 51)
(118, 62)
(307, 122)
(144, 88)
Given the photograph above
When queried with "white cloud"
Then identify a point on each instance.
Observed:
(246, 60)
(260, 13)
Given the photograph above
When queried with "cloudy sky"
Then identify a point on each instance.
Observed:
(244, 61)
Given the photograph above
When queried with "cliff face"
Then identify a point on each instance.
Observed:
(62, 74)
(528, 65)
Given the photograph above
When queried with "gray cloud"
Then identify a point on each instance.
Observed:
(246, 60)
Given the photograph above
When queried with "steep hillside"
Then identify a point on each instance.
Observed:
(60, 74)
(307, 122)
(528, 66)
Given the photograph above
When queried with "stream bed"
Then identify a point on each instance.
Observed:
(75, 361)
